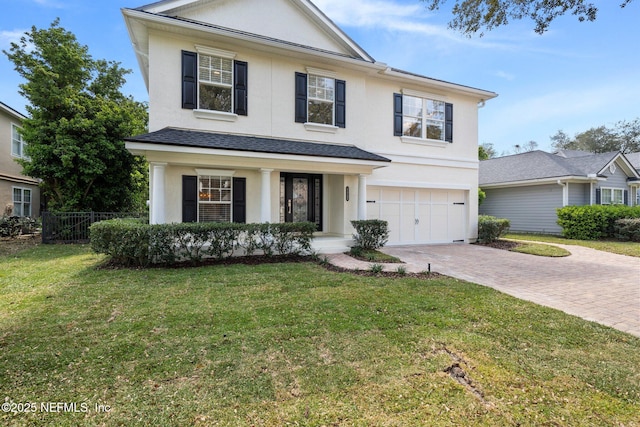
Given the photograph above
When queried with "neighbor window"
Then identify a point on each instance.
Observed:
(214, 198)
(17, 144)
(21, 201)
(612, 196)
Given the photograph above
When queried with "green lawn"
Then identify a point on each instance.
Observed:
(295, 344)
(616, 247)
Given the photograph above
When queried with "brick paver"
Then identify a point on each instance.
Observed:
(595, 285)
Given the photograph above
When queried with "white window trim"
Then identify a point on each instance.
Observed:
(320, 127)
(213, 114)
(220, 173)
(201, 113)
(22, 143)
(612, 189)
(22, 190)
(322, 73)
(425, 141)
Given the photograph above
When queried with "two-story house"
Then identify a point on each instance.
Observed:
(266, 111)
(18, 192)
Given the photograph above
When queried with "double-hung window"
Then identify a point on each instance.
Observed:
(214, 198)
(320, 104)
(214, 84)
(424, 118)
(320, 100)
(17, 144)
(611, 196)
(21, 201)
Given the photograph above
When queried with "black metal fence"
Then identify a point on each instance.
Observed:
(73, 227)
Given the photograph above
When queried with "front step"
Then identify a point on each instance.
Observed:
(331, 244)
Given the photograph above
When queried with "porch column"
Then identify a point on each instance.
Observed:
(157, 194)
(362, 197)
(265, 196)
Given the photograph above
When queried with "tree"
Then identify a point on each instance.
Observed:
(624, 137)
(77, 121)
(486, 151)
(473, 16)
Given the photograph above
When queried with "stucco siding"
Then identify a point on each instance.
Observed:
(530, 209)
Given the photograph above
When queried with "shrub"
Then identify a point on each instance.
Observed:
(130, 242)
(13, 226)
(491, 228)
(370, 233)
(627, 229)
(593, 222)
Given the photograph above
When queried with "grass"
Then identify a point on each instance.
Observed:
(541, 250)
(372, 255)
(295, 344)
(613, 246)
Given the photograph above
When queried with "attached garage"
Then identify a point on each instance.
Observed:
(417, 215)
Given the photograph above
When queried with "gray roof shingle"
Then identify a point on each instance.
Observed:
(221, 141)
(540, 165)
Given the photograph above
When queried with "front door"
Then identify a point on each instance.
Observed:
(301, 198)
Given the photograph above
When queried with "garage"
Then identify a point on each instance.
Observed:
(418, 215)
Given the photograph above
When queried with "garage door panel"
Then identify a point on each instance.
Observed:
(420, 215)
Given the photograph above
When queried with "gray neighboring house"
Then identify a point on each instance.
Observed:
(527, 188)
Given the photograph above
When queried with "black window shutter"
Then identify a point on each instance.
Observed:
(301, 98)
(239, 200)
(397, 114)
(626, 197)
(240, 87)
(598, 197)
(189, 198)
(448, 122)
(189, 80)
(341, 96)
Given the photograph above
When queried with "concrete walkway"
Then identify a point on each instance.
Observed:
(595, 285)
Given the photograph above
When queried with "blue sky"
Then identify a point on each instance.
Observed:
(574, 77)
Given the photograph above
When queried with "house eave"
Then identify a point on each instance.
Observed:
(10, 111)
(542, 181)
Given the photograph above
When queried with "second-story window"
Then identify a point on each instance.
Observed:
(215, 83)
(420, 118)
(17, 144)
(321, 100)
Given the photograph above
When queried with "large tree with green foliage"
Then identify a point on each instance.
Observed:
(473, 16)
(624, 137)
(77, 120)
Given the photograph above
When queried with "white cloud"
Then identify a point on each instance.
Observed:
(504, 75)
(8, 37)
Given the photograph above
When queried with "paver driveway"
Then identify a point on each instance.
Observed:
(595, 285)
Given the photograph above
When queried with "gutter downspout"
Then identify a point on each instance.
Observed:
(565, 192)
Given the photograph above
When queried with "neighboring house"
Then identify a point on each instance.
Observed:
(285, 118)
(19, 192)
(527, 188)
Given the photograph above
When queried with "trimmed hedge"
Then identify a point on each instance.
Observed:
(370, 233)
(627, 229)
(130, 242)
(593, 222)
(491, 228)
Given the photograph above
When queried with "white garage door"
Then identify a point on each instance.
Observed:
(419, 215)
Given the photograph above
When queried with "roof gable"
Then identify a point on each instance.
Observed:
(293, 21)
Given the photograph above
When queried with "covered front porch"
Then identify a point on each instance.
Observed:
(202, 176)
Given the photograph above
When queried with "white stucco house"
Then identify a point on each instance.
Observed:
(265, 111)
